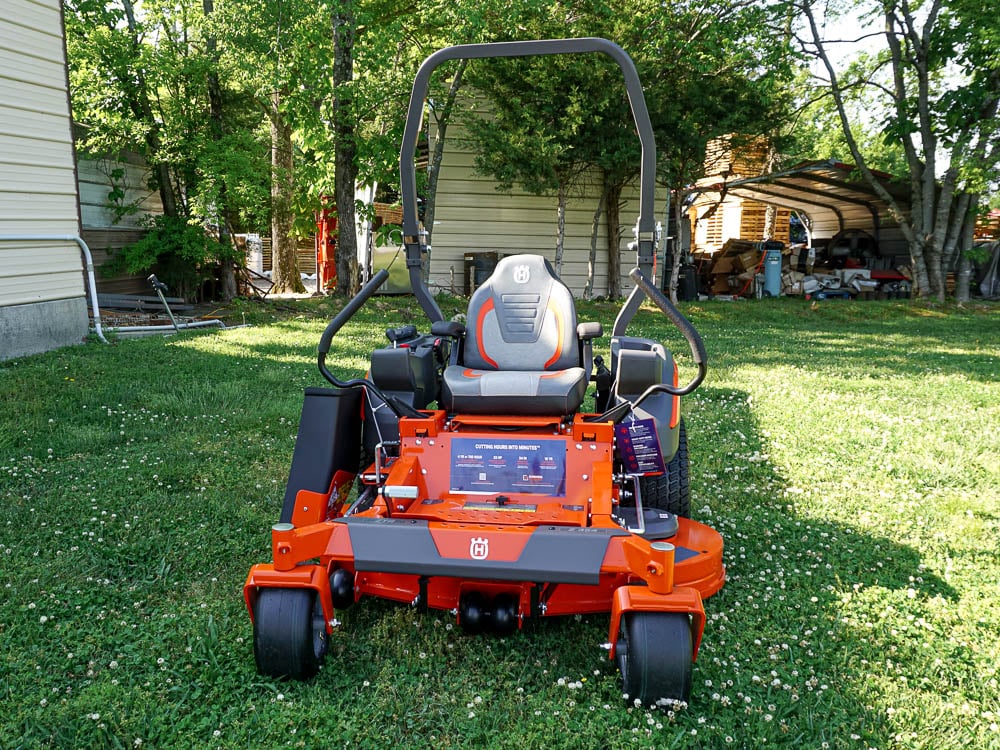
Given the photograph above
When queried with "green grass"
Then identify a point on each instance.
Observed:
(849, 454)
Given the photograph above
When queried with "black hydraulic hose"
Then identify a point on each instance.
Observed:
(398, 408)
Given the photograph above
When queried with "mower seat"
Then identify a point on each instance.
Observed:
(522, 351)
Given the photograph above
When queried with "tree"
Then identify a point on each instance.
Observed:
(147, 78)
(938, 87)
(528, 134)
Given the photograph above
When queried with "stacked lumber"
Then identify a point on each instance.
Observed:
(737, 156)
(988, 226)
(753, 223)
(305, 249)
(389, 213)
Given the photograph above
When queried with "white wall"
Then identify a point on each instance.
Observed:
(38, 193)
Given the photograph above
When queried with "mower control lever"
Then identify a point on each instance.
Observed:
(683, 325)
(618, 412)
(398, 408)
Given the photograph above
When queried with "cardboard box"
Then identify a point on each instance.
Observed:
(720, 285)
(722, 265)
(747, 261)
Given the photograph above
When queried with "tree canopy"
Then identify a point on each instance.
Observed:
(932, 89)
(248, 112)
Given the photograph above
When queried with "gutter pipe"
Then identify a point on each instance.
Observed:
(88, 266)
(92, 286)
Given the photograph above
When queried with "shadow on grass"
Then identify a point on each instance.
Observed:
(780, 642)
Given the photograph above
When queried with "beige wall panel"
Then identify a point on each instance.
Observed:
(28, 151)
(23, 258)
(23, 74)
(23, 290)
(472, 216)
(36, 123)
(34, 179)
(42, 208)
(30, 30)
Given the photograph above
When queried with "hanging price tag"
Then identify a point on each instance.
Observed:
(639, 447)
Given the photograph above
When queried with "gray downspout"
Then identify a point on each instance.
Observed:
(88, 266)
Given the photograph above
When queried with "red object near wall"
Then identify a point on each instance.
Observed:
(326, 245)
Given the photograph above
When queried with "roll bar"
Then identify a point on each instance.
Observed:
(646, 226)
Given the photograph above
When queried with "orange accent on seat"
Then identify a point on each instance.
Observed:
(559, 328)
(480, 319)
(467, 373)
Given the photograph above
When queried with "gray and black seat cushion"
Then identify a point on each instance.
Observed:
(521, 353)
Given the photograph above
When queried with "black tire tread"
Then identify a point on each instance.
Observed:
(655, 658)
(284, 635)
(671, 492)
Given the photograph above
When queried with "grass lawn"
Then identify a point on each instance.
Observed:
(849, 454)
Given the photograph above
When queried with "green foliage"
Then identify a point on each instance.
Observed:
(181, 253)
(819, 135)
(707, 69)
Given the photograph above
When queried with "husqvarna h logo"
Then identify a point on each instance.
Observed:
(479, 548)
(521, 274)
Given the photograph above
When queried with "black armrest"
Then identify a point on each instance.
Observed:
(588, 331)
(448, 328)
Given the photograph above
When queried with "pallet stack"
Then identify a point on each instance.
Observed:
(753, 222)
(737, 156)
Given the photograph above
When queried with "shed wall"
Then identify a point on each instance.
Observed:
(472, 216)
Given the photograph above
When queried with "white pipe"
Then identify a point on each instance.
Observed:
(170, 329)
(88, 262)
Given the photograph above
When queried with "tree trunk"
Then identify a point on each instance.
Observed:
(143, 108)
(963, 278)
(285, 262)
(588, 289)
(679, 251)
(441, 119)
(346, 170)
(227, 275)
(770, 220)
(956, 228)
(612, 206)
(560, 228)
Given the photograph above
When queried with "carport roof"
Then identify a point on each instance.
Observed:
(828, 192)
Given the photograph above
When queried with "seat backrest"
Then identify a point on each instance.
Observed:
(522, 318)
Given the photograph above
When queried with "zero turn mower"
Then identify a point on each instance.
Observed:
(482, 487)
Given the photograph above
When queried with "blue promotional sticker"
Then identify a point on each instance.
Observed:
(639, 447)
(488, 467)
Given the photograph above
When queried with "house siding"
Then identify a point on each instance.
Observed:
(472, 216)
(97, 177)
(38, 192)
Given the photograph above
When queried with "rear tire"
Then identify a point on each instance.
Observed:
(654, 654)
(289, 633)
(671, 492)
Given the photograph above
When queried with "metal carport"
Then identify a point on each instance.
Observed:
(832, 196)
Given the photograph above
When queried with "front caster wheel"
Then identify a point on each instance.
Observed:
(654, 654)
(289, 633)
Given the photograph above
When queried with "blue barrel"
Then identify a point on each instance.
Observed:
(772, 269)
